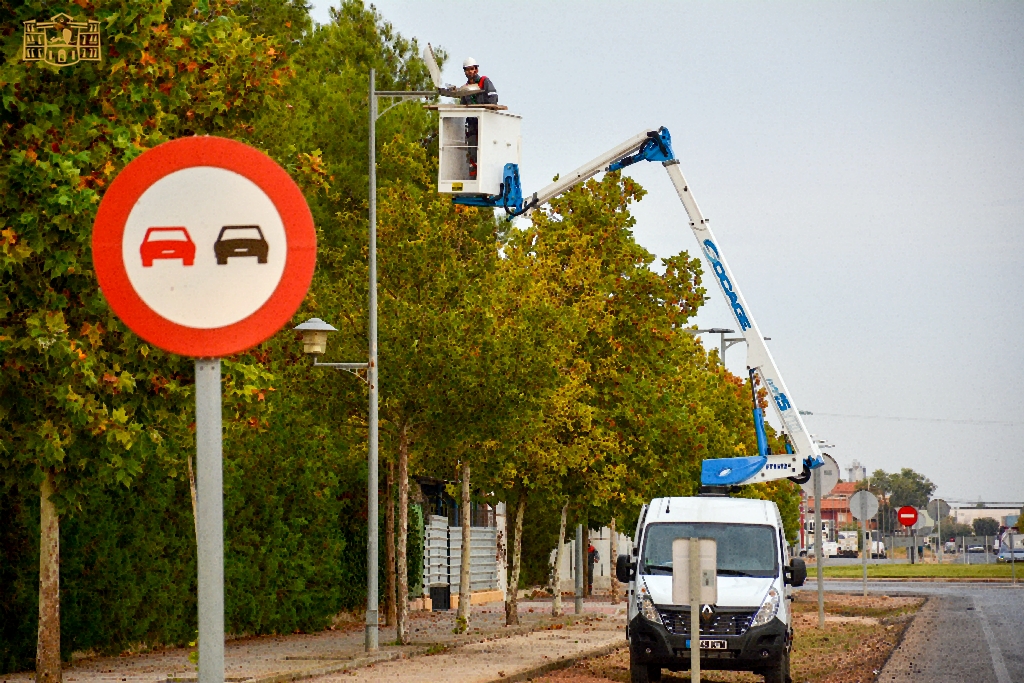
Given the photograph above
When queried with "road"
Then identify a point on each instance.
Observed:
(965, 632)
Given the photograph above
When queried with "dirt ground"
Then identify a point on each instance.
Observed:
(859, 635)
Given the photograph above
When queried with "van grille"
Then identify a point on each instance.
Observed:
(725, 623)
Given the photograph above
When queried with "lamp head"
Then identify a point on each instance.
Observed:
(314, 336)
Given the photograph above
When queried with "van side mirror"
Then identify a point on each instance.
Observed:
(625, 571)
(796, 573)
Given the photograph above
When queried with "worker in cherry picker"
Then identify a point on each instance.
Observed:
(488, 95)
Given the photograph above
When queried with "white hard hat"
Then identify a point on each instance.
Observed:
(469, 62)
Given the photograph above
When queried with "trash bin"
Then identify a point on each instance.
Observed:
(440, 597)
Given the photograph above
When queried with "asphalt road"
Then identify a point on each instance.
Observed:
(965, 632)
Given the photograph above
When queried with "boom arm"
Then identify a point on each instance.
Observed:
(656, 145)
(749, 470)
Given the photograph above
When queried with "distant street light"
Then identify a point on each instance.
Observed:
(725, 343)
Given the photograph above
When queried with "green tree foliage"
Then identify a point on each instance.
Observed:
(907, 487)
(985, 526)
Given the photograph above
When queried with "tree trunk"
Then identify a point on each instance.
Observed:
(512, 602)
(403, 534)
(389, 547)
(48, 641)
(556, 604)
(613, 557)
(465, 594)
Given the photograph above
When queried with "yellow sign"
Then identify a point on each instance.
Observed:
(62, 41)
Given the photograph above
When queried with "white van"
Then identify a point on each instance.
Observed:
(750, 629)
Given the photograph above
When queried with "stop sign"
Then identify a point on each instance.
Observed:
(907, 515)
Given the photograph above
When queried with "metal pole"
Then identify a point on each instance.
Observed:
(938, 539)
(371, 378)
(1013, 562)
(819, 557)
(695, 610)
(867, 551)
(210, 522)
(578, 604)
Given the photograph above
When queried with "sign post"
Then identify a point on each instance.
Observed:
(823, 480)
(210, 519)
(938, 509)
(907, 516)
(695, 583)
(205, 247)
(864, 506)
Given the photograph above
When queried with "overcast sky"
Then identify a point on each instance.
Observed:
(863, 167)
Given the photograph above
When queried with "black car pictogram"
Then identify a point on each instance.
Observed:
(240, 240)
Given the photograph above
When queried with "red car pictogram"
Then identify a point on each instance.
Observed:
(167, 243)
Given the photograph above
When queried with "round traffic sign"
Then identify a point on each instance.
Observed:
(938, 508)
(907, 515)
(204, 246)
(863, 505)
(829, 477)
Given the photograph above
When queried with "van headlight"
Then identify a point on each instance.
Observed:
(769, 608)
(647, 609)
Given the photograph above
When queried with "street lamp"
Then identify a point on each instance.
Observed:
(314, 340)
(725, 342)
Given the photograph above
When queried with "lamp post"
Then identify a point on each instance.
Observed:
(314, 338)
(725, 343)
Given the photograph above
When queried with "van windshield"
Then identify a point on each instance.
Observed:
(743, 549)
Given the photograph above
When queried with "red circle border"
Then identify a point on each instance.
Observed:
(140, 175)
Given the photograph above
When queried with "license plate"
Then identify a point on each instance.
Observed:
(710, 644)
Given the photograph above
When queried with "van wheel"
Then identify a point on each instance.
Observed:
(779, 673)
(643, 673)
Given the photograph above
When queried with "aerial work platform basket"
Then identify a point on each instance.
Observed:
(477, 141)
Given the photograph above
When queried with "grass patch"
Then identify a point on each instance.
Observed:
(924, 571)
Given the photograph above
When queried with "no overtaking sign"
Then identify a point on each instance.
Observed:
(204, 246)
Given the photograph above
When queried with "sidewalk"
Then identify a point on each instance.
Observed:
(490, 651)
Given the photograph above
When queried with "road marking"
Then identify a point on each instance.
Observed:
(1002, 675)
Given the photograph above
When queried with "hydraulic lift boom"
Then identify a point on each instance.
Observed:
(656, 145)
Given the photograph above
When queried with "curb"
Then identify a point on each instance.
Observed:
(548, 667)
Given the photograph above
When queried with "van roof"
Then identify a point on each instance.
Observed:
(714, 509)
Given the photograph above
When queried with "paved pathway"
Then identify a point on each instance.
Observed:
(277, 659)
(965, 632)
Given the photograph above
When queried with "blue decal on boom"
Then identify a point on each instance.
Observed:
(781, 399)
(711, 251)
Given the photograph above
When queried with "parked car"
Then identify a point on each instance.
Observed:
(240, 240)
(976, 549)
(167, 243)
